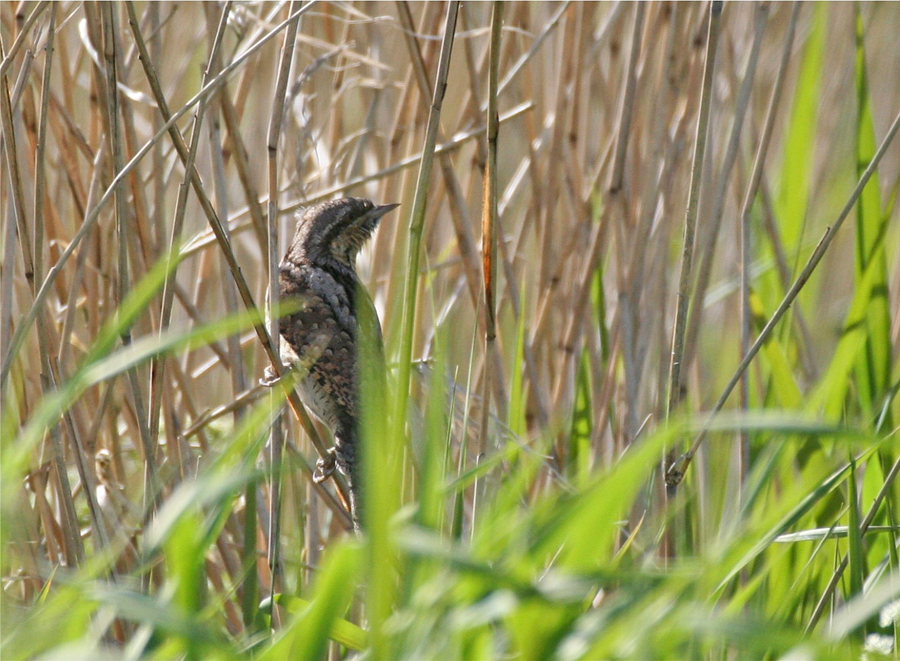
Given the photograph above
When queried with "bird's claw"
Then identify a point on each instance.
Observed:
(269, 378)
(325, 467)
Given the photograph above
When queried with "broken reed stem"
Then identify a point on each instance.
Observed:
(676, 471)
(276, 439)
(690, 220)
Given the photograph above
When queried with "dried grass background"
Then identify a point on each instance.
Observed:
(593, 187)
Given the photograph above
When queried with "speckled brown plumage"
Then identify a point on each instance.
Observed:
(324, 337)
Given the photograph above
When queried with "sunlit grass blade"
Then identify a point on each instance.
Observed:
(873, 366)
(831, 391)
(797, 159)
(785, 388)
(854, 538)
(306, 637)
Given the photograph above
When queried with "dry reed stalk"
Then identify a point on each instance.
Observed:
(687, 255)
(617, 197)
(276, 438)
(417, 215)
(457, 206)
(651, 195)
(489, 234)
(19, 41)
(614, 204)
(707, 255)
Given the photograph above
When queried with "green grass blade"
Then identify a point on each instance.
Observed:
(306, 637)
(873, 366)
(797, 160)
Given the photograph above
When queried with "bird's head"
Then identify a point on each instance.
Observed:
(336, 229)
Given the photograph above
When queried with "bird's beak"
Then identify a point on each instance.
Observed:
(379, 211)
(372, 217)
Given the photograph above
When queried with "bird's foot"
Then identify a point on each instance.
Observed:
(269, 378)
(325, 467)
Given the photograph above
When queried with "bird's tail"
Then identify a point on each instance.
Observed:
(346, 450)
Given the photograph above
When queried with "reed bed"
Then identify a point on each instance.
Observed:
(640, 309)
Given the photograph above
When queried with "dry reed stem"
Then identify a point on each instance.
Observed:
(687, 254)
(104, 30)
(72, 543)
(618, 198)
(9, 56)
(457, 204)
(276, 438)
(417, 214)
(158, 365)
(489, 263)
(715, 219)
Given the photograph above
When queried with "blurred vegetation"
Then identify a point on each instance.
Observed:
(516, 484)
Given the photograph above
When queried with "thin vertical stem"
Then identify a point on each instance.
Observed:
(417, 217)
(707, 257)
(465, 241)
(381, 583)
(489, 241)
(49, 380)
(158, 366)
(73, 544)
(276, 440)
(690, 220)
(110, 30)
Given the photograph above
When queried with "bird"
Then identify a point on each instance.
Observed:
(335, 326)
